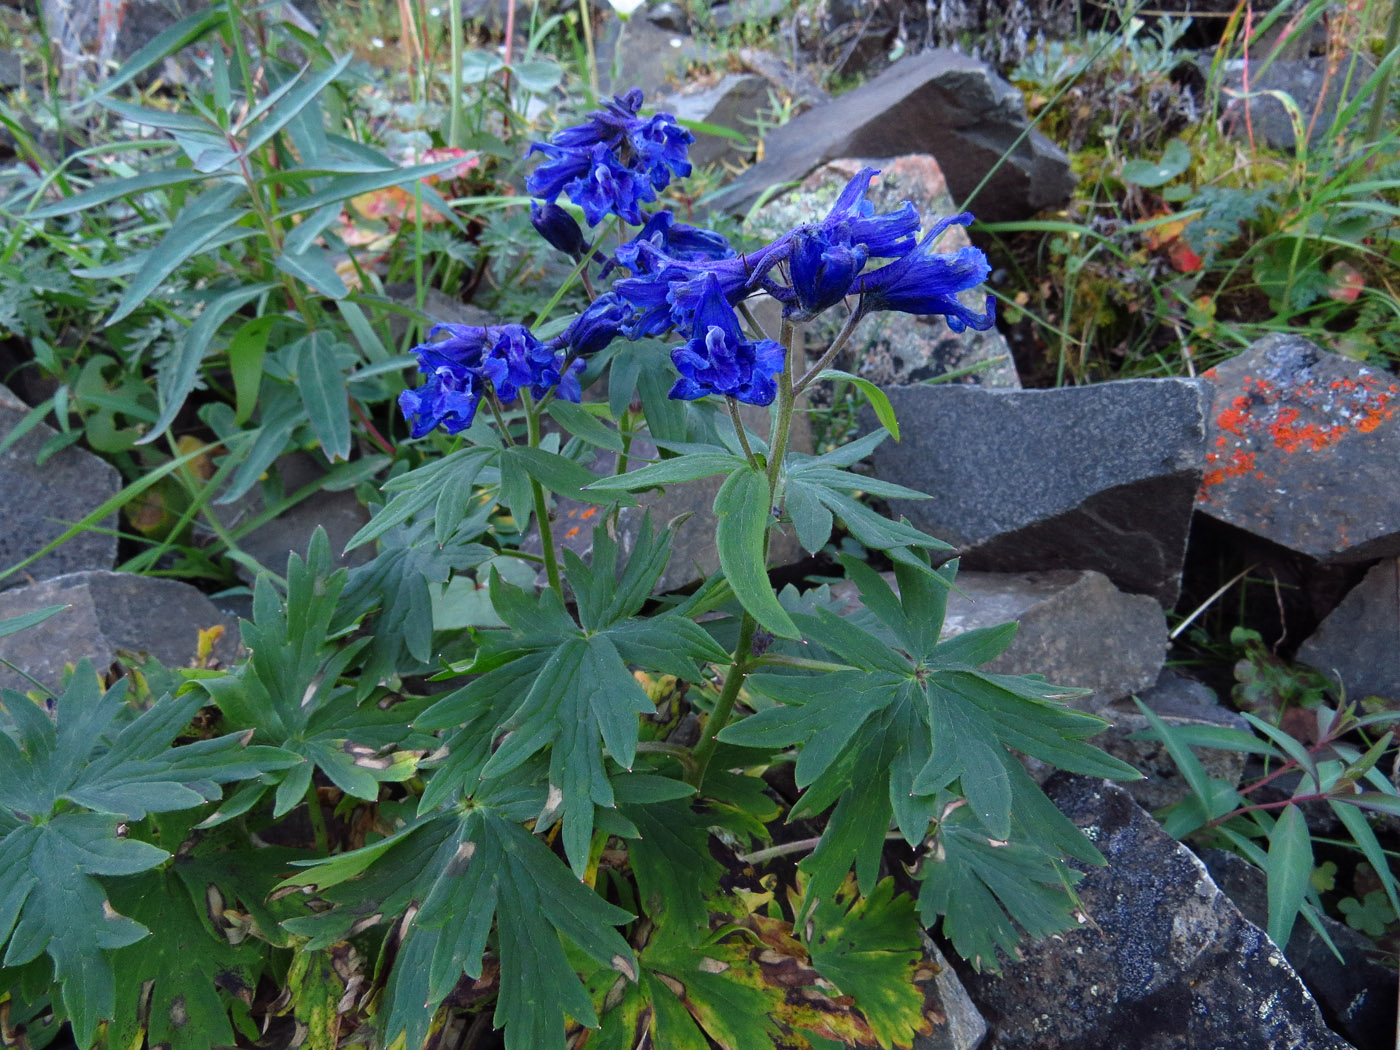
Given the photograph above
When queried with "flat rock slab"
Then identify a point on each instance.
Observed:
(109, 612)
(1168, 963)
(896, 348)
(1076, 628)
(1100, 477)
(41, 501)
(940, 102)
(1359, 641)
(1358, 999)
(1301, 447)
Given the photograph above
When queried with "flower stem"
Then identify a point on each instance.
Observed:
(318, 820)
(739, 429)
(837, 344)
(551, 559)
(724, 706)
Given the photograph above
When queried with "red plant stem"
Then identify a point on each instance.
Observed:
(369, 426)
(1315, 797)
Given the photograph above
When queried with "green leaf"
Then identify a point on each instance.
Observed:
(15, 624)
(580, 422)
(179, 371)
(1289, 867)
(877, 398)
(1176, 158)
(321, 383)
(313, 267)
(202, 222)
(742, 506)
(672, 862)
(869, 947)
(689, 467)
(555, 472)
(111, 189)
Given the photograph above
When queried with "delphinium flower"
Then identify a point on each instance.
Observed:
(717, 359)
(928, 282)
(475, 360)
(612, 162)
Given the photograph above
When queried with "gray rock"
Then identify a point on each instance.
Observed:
(1177, 701)
(109, 612)
(645, 56)
(668, 16)
(795, 82)
(939, 102)
(1301, 447)
(732, 103)
(1357, 640)
(1163, 960)
(1304, 80)
(893, 348)
(961, 1027)
(341, 514)
(1099, 477)
(1076, 628)
(42, 500)
(1358, 998)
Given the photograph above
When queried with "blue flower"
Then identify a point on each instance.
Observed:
(927, 282)
(676, 240)
(448, 399)
(596, 327)
(612, 160)
(669, 291)
(472, 360)
(557, 227)
(719, 360)
(828, 256)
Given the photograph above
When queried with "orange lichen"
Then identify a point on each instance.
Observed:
(571, 533)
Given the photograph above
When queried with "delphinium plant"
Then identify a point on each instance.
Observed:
(581, 847)
(622, 818)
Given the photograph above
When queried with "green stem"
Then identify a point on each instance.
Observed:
(1380, 102)
(551, 559)
(318, 820)
(842, 337)
(454, 124)
(724, 706)
(778, 443)
(586, 18)
(676, 751)
(739, 429)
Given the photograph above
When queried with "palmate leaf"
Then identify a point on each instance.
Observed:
(97, 756)
(883, 740)
(567, 686)
(289, 693)
(192, 969)
(869, 948)
(455, 873)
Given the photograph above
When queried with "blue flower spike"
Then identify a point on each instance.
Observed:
(717, 359)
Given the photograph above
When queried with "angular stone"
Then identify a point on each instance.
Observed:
(1358, 999)
(961, 1027)
(1167, 962)
(108, 612)
(341, 514)
(1301, 447)
(731, 103)
(1356, 642)
(1177, 701)
(42, 500)
(1075, 628)
(645, 56)
(1100, 477)
(894, 348)
(1305, 80)
(940, 102)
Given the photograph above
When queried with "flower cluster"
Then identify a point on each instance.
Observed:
(472, 360)
(686, 278)
(612, 162)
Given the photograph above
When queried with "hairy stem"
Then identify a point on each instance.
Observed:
(837, 344)
(733, 407)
